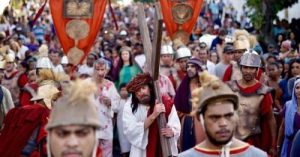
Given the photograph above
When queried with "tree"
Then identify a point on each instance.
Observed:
(263, 12)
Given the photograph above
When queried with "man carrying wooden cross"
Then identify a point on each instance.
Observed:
(140, 119)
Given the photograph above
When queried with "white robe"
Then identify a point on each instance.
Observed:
(124, 143)
(106, 113)
(133, 125)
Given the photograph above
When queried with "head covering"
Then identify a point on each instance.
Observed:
(251, 59)
(183, 52)
(213, 90)
(166, 50)
(228, 48)
(75, 108)
(286, 44)
(10, 58)
(195, 61)
(46, 93)
(2, 64)
(240, 45)
(64, 60)
(290, 112)
(43, 51)
(138, 81)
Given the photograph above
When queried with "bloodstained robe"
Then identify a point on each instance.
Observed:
(264, 139)
(145, 142)
(19, 125)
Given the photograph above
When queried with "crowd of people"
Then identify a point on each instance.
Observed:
(222, 93)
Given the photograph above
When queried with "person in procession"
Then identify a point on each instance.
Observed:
(108, 98)
(219, 125)
(23, 132)
(257, 124)
(189, 136)
(140, 116)
(74, 121)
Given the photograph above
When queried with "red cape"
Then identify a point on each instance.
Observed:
(154, 146)
(19, 125)
(25, 95)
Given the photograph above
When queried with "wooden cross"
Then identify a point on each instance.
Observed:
(152, 52)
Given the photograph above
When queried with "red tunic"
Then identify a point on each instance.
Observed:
(262, 141)
(228, 73)
(19, 125)
(154, 146)
(181, 74)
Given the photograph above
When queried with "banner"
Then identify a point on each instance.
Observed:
(180, 17)
(77, 23)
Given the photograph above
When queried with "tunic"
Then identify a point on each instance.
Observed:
(245, 151)
(138, 136)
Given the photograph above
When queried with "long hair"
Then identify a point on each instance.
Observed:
(121, 63)
(135, 101)
(290, 67)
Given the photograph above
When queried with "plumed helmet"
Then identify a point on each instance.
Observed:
(241, 45)
(251, 59)
(2, 64)
(214, 90)
(167, 50)
(183, 52)
(10, 58)
(46, 93)
(43, 51)
(75, 108)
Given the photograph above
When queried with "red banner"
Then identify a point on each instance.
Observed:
(60, 22)
(171, 25)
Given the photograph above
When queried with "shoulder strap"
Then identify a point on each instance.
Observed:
(233, 85)
(264, 90)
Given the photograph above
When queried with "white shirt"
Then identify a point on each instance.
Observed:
(137, 135)
(211, 67)
(22, 51)
(58, 69)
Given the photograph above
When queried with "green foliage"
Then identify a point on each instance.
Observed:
(260, 8)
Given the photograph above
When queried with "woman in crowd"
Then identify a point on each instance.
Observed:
(294, 70)
(128, 68)
(291, 121)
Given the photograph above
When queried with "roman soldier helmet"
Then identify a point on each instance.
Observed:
(2, 64)
(240, 45)
(251, 59)
(75, 108)
(213, 90)
(167, 50)
(183, 52)
(46, 93)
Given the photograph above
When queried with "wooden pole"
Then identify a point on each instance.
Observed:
(162, 122)
(145, 37)
(152, 52)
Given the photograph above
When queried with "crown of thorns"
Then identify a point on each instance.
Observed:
(138, 81)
